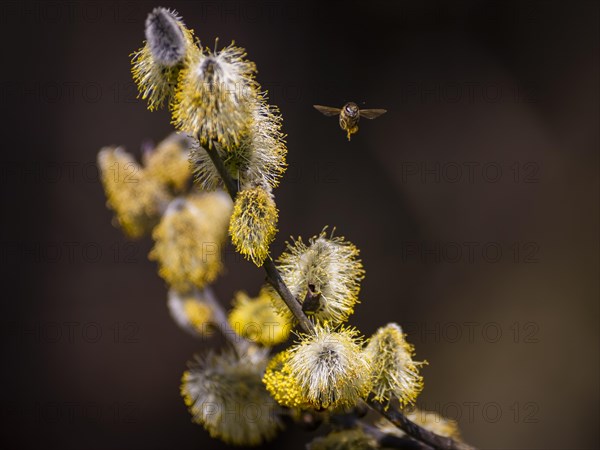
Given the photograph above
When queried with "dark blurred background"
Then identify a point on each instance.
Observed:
(474, 201)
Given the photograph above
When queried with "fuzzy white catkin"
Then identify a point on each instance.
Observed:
(330, 368)
(258, 160)
(214, 96)
(225, 394)
(331, 265)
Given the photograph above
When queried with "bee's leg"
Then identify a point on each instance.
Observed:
(352, 131)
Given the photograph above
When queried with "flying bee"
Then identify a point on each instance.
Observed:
(350, 114)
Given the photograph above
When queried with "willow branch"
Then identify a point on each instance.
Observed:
(230, 184)
(387, 440)
(292, 303)
(273, 274)
(417, 432)
(396, 417)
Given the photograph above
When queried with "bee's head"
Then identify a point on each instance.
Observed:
(351, 109)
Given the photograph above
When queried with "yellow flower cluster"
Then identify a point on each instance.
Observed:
(330, 368)
(253, 224)
(189, 238)
(136, 197)
(395, 374)
(257, 320)
(199, 314)
(214, 95)
(258, 160)
(224, 393)
(169, 163)
(191, 312)
(281, 385)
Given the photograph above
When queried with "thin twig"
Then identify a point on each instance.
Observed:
(387, 440)
(272, 273)
(418, 432)
(228, 181)
(396, 417)
(292, 303)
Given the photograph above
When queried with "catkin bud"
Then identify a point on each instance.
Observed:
(215, 95)
(156, 66)
(169, 163)
(136, 198)
(253, 224)
(165, 37)
(189, 238)
(394, 374)
(225, 394)
(330, 368)
(257, 320)
(190, 312)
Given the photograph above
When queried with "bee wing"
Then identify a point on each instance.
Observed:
(372, 113)
(327, 110)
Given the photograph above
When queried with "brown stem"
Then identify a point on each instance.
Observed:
(387, 440)
(274, 277)
(292, 303)
(272, 273)
(228, 181)
(412, 429)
